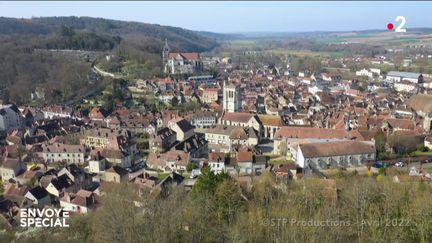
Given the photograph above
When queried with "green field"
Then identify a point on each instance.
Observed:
(303, 53)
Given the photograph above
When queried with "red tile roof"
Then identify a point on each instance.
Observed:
(186, 55)
(238, 116)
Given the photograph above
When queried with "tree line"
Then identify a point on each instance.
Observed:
(219, 209)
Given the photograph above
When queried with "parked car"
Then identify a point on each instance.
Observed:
(377, 165)
(400, 164)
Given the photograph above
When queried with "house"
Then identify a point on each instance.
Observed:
(210, 95)
(163, 140)
(216, 162)
(364, 72)
(118, 157)
(57, 152)
(182, 128)
(75, 173)
(103, 137)
(59, 185)
(144, 183)
(98, 114)
(196, 146)
(204, 119)
(202, 79)
(116, 174)
(97, 163)
(166, 84)
(392, 125)
(324, 155)
(285, 171)
(113, 121)
(28, 177)
(39, 197)
(11, 168)
(81, 202)
(16, 193)
(177, 160)
(173, 160)
(223, 137)
(10, 117)
(231, 167)
(244, 162)
(421, 103)
(57, 111)
(241, 119)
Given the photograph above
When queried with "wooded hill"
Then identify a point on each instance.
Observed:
(22, 70)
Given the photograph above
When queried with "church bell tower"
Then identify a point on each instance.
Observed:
(165, 53)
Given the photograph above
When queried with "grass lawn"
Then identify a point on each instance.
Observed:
(162, 176)
(277, 159)
(280, 161)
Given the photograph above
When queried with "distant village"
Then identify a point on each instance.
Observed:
(251, 121)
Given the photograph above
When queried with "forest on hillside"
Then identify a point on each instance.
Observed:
(137, 47)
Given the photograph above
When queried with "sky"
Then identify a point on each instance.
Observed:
(235, 17)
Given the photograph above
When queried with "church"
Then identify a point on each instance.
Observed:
(181, 62)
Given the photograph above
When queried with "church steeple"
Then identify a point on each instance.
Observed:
(165, 53)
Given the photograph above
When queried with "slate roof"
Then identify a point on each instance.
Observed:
(38, 192)
(340, 148)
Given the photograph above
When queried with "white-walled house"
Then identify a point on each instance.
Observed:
(72, 154)
(364, 72)
(216, 162)
(97, 165)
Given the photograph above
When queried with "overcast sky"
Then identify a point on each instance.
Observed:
(227, 17)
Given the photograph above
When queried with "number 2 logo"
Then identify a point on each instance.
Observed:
(400, 28)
